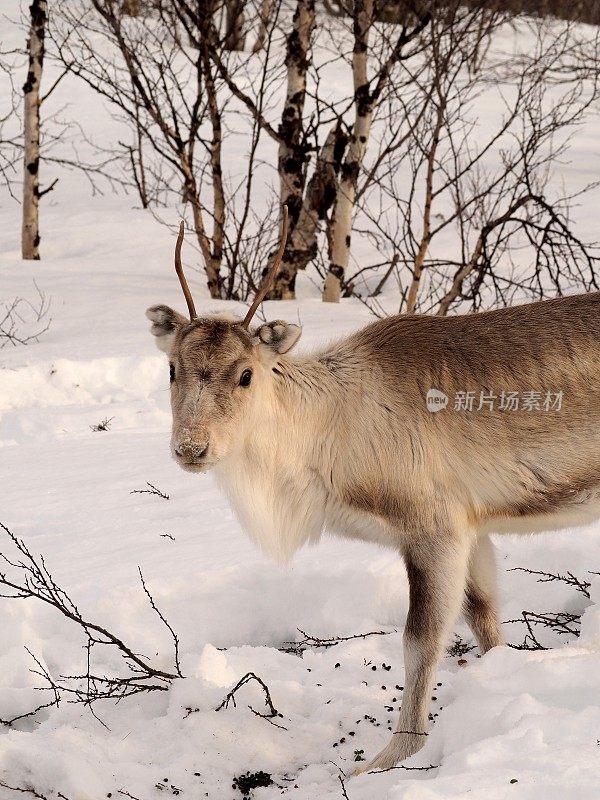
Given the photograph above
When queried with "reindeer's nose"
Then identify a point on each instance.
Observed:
(191, 451)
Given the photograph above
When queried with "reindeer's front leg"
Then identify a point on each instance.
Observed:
(437, 567)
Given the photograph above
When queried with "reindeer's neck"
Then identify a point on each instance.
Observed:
(275, 483)
(306, 391)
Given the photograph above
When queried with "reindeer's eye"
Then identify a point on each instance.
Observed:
(171, 372)
(246, 377)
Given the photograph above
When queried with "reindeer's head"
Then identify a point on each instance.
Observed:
(220, 370)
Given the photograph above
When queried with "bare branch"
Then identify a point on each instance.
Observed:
(250, 676)
(35, 581)
(297, 648)
(151, 490)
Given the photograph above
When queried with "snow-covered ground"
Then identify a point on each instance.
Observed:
(512, 724)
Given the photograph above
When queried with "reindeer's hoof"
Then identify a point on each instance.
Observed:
(359, 770)
(401, 747)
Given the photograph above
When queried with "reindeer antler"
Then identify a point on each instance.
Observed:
(179, 270)
(260, 295)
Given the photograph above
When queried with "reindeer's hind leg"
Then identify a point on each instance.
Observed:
(480, 595)
(437, 564)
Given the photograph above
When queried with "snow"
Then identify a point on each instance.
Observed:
(529, 717)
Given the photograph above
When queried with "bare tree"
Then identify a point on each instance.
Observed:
(365, 102)
(168, 90)
(488, 191)
(24, 139)
(30, 235)
(317, 200)
(323, 140)
(400, 159)
(292, 155)
(164, 92)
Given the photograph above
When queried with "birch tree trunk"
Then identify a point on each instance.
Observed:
(292, 154)
(365, 101)
(319, 196)
(264, 15)
(412, 296)
(234, 25)
(341, 222)
(30, 236)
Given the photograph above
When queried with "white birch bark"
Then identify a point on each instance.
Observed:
(30, 237)
(320, 192)
(341, 223)
(291, 162)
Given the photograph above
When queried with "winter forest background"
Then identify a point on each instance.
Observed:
(435, 157)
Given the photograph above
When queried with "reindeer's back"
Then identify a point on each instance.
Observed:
(547, 341)
(545, 355)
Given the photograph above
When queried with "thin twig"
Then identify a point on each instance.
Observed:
(406, 769)
(165, 623)
(24, 790)
(343, 785)
(298, 648)
(548, 577)
(249, 676)
(37, 582)
(151, 490)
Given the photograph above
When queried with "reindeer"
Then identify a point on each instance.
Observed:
(342, 440)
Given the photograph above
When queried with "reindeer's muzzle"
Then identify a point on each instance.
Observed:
(191, 454)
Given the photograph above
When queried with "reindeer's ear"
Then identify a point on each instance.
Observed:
(279, 336)
(165, 324)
